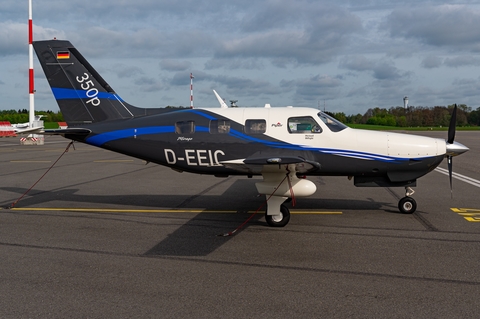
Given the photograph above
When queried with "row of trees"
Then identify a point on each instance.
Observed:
(413, 116)
(21, 116)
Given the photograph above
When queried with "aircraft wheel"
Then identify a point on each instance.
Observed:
(278, 220)
(407, 205)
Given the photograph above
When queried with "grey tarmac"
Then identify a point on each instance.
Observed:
(103, 235)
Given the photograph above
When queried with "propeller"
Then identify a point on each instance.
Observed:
(450, 140)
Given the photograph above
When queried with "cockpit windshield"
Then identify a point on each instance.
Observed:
(333, 124)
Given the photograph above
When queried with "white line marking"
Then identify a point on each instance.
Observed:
(463, 178)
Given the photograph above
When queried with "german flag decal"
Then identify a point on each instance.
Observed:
(63, 55)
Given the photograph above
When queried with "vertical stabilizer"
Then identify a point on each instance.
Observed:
(81, 93)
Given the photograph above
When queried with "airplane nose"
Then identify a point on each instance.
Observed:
(455, 149)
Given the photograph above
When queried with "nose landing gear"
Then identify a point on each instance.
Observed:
(407, 205)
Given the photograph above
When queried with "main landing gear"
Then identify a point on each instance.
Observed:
(279, 220)
(407, 205)
(277, 188)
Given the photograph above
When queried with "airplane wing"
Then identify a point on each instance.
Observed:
(255, 165)
(33, 130)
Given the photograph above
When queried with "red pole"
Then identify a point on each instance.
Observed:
(191, 90)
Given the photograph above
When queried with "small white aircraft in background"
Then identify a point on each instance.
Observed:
(24, 128)
(283, 145)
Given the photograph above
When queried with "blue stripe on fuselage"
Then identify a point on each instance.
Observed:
(103, 138)
(62, 94)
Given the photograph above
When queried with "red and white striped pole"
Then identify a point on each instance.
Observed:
(191, 90)
(31, 89)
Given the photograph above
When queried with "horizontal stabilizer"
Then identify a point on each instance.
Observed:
(69, 131)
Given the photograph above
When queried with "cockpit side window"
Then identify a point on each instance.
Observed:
(333, 124)
(303, 125)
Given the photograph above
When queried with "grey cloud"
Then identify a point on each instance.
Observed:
(444, 25)
(431, 62)
(183, 78)
(14, 37)
(460, 61)
(314, 39)
(356, 63)
(386, 70)
(315, 87)
(235, 85)
(175, 65)
(464, 89)
(234, 64)
(148, 84)
(274, 15)
(126, 71)
(381, 69)
(143, 43)
(287, 84)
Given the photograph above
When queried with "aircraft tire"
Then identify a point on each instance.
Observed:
(276, 220)
(407, 205)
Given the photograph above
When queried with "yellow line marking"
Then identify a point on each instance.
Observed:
(469, 214)
(305, 212)
(312, 212)
(180, 210)
(465, 210)
(30, 161)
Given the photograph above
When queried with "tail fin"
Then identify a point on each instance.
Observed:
(81, 93)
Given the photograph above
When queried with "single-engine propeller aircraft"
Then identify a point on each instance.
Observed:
(284, 145)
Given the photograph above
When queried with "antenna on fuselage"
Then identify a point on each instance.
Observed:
(223, 105)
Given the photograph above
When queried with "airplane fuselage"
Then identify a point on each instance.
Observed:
(210, 141)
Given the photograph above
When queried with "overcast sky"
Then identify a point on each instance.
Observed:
(347, 55)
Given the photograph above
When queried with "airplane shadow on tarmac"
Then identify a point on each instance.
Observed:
(198, 235)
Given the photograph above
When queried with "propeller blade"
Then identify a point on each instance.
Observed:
(452, 126)
(450, 168)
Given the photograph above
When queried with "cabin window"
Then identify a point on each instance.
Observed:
(185, 127)
(255, 126)
(303, 125)
(219, 126)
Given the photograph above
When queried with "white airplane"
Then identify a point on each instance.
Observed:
(24, 128)
(283, 145)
